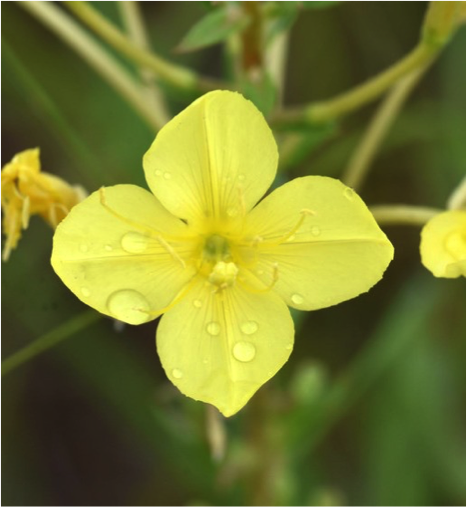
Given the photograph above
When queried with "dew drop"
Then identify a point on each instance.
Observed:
(244, 351)
(197, 303)
(349, 193)
(292, 238)
(133, 242)
(157, 172)
(316, 231)
(177, 373)
(249, 327)
(83, 248)
(297, 299)
(167, 176)
(205, 361)
(213, 328)
(85, 292)
(129, 306)
(232, 212)
(260, 272)
(288, 347)
(241, 177)
(108, 248)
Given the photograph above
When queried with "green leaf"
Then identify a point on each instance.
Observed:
(318, 5)
(262, 92)
(295, 146)
(214, 27)
(282, 16)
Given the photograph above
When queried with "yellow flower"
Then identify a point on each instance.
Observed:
(443, 244)
(221, 269)
(27, 191)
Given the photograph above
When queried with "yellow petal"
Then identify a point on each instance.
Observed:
(221, 347)
(443, 244)
(327, 245)
(215, 159)
(124, 255)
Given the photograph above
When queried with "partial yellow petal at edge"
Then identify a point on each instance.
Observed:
(220, 348)
(442, 246)
(124, 258)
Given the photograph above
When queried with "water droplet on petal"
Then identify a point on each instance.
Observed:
(297, 299)
(133, 242)
(288, 347)
(129, 305)
(260, 272)
(157, 172)
(244, 351)
(197, 303)
(349, 193)
(249, 327)
(213, 328)
(177, 373)
(108, 248)
(316, 231)
(85, 292)
(167, 176)
(205, 361)
(292, 238)
(232, 212)
(241, 177)
(83, 248)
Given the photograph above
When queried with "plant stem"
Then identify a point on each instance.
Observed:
(101, 61)
(175, 75)
(401, 214)
(49, 340)
(362, 94)
(380, 124)
(133, 19)
(457, 198)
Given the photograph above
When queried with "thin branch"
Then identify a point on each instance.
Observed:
(380, 124)
(133, 19)
(176, 75)
(64, 27)
(402, 214)
(49, 340)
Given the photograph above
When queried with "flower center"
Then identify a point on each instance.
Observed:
(217, 262)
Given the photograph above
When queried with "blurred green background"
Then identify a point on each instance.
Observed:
(370, 409)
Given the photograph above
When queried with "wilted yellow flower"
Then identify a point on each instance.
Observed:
(221, 269)
(27, 191)
(443, 244)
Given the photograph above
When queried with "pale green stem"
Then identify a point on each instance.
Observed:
(133, 19)
(175, 75)
(275, 62)
(100, 60)
(362, 94)
(457, 198)
(401, 214)
(380, 124)
(49, 340)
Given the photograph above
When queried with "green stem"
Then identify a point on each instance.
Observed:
(49, 340)
(401, 214)
(362, 94)
(380, 124)
(457, 198)
(133, 19)
(102, 62)
(175, 75)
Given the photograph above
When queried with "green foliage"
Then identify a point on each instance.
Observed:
(214, 27)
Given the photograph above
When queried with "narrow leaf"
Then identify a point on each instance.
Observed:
(214, 27)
